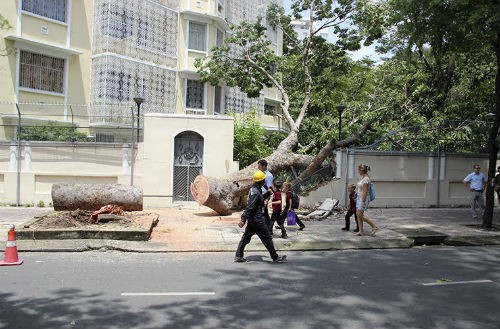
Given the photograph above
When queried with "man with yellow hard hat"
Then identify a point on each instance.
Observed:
(253, 216)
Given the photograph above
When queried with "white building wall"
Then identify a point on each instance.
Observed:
(403, 179)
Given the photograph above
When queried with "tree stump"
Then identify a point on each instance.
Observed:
(217, 194)
(95, 196)
(220, 193)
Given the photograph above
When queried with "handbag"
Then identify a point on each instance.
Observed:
(371, 192)
(291, 218)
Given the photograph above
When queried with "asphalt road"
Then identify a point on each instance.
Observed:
(430, 287)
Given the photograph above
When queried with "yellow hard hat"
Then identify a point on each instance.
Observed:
(259, 176)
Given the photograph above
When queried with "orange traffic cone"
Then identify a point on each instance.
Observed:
(10, 257)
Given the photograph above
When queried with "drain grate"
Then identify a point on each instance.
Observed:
(422, 236)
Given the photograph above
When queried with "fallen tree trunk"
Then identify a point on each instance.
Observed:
(329, 148)
(95, 196)
(220, 193)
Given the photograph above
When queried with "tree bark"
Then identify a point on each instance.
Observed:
(95, 196)
(219, 194)
(493, 146)
(330, 147)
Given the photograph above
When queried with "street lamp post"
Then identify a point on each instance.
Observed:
(340, 109)
(138, 101)
(135, 137)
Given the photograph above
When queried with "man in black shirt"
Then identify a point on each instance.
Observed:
(254, 217)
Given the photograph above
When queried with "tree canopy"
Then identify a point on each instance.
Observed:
(441, 69)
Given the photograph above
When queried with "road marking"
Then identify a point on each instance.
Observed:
(167, 294)
(455, 282)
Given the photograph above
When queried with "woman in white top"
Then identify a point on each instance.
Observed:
(363, 199)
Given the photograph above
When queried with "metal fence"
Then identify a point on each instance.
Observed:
(69, 123)
(463, 137)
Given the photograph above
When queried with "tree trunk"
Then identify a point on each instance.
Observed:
(330, 147)
(220, 193)
(95, 196)
(493, 146)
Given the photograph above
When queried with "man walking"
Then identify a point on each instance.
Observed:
(268, 183)
(253, 216)
(476, 184)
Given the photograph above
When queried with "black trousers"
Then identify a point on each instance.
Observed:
(348, 219)
(262, 231)
(268, 219)
(276, 217)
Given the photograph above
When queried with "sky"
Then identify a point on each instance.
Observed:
(363, 52)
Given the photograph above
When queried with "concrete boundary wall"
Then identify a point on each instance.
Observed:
(401, 179)
(29, 169)
(404, 179)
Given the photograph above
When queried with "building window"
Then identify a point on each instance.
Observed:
(218, 100)
(219, 38)
(53, 9)
(41, 72)
(269, 109)
(197, 36)
(194, 94)
(220, 8)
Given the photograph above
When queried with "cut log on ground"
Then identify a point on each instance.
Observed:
(95, 196)
(220, 193)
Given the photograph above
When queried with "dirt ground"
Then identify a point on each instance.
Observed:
(80, 219)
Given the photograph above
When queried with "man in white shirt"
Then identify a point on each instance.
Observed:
(266, 190)
(476, 184)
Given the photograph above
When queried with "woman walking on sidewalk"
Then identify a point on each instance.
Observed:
(363, 200)
(290, 206)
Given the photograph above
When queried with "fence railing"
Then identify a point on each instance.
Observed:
(456, 136)
(69, 123)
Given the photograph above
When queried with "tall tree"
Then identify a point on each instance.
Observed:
(246, 60)
(439, 32)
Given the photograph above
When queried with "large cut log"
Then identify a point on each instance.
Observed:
(95, 196)
(220, 193)
(214, 193)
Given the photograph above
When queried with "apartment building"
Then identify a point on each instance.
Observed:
(84, 61)
(302, 26)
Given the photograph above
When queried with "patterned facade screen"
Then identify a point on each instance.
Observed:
(134, 54)
(117, 81)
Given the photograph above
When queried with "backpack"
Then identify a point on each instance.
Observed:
(371, 192)
(295, 200)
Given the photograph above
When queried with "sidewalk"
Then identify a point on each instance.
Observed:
(198, 229)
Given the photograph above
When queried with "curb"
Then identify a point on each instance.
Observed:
(466, 241)
(77, 245)
(61, 234)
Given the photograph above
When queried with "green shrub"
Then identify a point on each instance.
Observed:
(52, 131)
